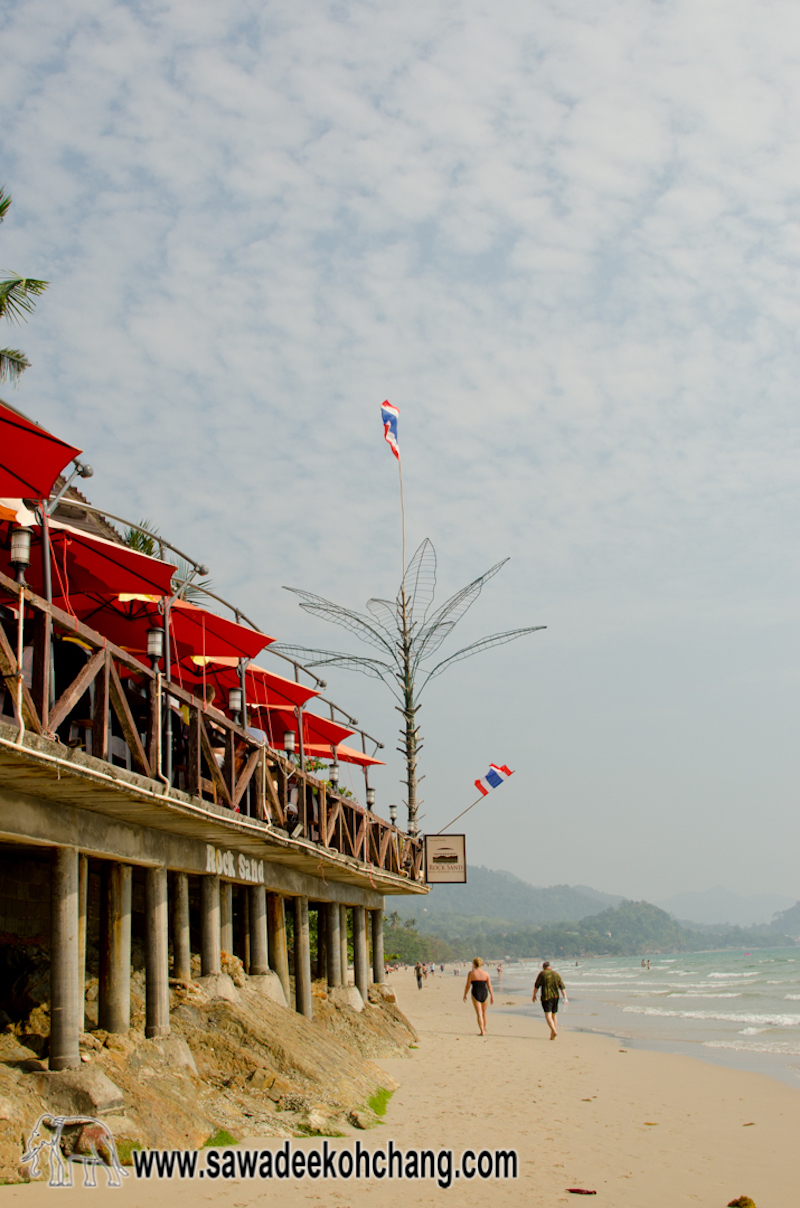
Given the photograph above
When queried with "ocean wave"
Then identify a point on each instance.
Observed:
(752, 1031)
(770, 1021)
(783, 1048)
(726, 975)
(793, 997)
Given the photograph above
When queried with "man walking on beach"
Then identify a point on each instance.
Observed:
(551, 985)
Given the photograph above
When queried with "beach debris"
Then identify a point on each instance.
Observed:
(749, 1124)
(580, 1191)
(743, 1201)
(651, 1123)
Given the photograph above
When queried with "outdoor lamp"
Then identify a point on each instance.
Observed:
(370, 798)
(235, 703)
(20, 551)
(288, 742)
(333, 774)
(393, 814)
(155, 645)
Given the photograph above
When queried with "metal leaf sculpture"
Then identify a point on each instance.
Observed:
(406, 637)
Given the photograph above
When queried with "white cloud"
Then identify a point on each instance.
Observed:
(563, 239)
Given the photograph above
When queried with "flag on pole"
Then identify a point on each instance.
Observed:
(389, 416)
(493, 778)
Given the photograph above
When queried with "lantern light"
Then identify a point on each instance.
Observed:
(234, 700)
(288, 742)
(393, 814)
(333, 774)
(370, 798)
(20, 551)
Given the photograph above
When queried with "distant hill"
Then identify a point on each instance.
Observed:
(721, 905)
(491, 897)
(788, 921)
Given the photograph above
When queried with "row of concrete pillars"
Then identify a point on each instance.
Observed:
(264, 938)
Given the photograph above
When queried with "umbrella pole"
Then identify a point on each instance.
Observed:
(167, 677)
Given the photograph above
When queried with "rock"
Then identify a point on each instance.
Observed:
(347, 996)
(317, 1122)
(268, 985)
(381, 993)
(119, 1044)
(234, 969)
(176, 1052)
(362, 1120)
(261, 1080)
(8, 1110)
(84, 1092)
(218, 985)
(88, 1041)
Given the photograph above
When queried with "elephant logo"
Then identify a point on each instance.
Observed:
(67, 1140)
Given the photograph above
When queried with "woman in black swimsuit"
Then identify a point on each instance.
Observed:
(479, 981)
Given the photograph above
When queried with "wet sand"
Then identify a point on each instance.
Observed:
(644, 1130)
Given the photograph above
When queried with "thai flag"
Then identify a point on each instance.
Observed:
(493, 778)
(389, 416)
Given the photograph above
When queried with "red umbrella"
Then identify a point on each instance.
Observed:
(317, 731)
(82, 563)
(264, 689)
(31, 458)
(343, 754)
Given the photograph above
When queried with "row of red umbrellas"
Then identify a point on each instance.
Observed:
(121, 594)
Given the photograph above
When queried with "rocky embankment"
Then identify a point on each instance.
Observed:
(237, 1060)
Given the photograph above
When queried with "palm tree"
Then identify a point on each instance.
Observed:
(405, 634)
(17, 301)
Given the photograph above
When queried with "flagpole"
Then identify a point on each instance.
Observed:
(482, 797)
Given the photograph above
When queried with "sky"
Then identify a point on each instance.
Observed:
(564, 240)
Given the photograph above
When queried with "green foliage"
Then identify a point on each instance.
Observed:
(378, 1102)
(143, 542)
(125, 1148)
(219, 1138)
(405, 944)
(17, 301)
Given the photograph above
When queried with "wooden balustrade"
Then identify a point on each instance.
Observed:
(114, 696)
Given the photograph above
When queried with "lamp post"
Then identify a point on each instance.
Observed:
(235, 704)
(289, 742)
(393, 814)
(155, 646)
(333, 775)
(370, 798)
(20, 552)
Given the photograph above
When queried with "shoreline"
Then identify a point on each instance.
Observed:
(644, 1129)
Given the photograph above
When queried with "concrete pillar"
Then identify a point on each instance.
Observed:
(278, 953)
(114, 991)
(64, 1006)
(244, 927)
(343, 935)
(181, 936)
(259, 956)
(226, 916)
(360, 953)
(83, 915)
(302, 959)
(156, 953)
(333, 944)
(322, 942)
(209, 925)
(378, 959)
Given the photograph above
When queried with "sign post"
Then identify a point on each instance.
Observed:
(445, 859)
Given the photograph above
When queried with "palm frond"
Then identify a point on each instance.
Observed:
(352, 621)
(496, 639)
(143, 542)
(385, 614)
(17, 296)
(419, 582)
(5, 202)
(432, 641)
(460, 603)
(12, 364)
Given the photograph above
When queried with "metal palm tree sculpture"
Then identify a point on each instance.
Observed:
(406, 634)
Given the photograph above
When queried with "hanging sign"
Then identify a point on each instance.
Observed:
(445, 859)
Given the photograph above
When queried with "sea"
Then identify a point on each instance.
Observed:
(740, 1009)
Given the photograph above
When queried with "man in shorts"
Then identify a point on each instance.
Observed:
(551, 985)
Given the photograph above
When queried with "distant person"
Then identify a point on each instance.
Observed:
(499, 972)
(480, 983)
(418, 974)
(551, 985)
(644, 964)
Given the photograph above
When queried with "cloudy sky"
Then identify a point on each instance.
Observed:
(564, 240)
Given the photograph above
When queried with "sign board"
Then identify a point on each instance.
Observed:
(445, 859)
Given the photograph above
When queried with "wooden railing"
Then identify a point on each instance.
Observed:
(115, 708)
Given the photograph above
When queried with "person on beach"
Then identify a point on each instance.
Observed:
(480, 983)
(418, 974)
(551, 985)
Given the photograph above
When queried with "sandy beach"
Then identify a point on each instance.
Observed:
(645, 1130)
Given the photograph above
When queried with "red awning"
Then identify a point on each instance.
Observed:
(31, 458)
(125, 621)
(316, 730)
(264, 689)
(82, 564)
(343, 754)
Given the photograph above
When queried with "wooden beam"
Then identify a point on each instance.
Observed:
(100, 716)
(213, 766)
(42, 660)
(272, 794)
(246, 776)
(69, 699)
(384, 846)
(333, 814)
(119, 703)
(8, 669)
(193, 771)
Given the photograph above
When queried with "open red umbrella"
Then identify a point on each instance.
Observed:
(264, 689)
(317, 731)
(31, 458)
(82, 563)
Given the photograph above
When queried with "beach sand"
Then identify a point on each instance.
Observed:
(645, 1130)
